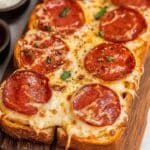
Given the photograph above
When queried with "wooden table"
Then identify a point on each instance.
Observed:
(133, 135)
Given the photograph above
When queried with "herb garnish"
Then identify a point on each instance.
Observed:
(65, 75)
(64, 12)
(109, 58)
(100, 13)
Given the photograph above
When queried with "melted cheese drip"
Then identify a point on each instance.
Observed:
(58, 111)
(68, 142)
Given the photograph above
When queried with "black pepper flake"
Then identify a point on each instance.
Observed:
(100, 34)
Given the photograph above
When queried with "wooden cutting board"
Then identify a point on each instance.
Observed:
(133, 135)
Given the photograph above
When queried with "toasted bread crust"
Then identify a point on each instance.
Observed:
(33, 22)
(24, 132)
(17, 51)
(79, 144)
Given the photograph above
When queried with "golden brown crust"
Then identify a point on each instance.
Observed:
(141, 53)
(25, 132)
(17, 51)
(79, 144)
(33, 21)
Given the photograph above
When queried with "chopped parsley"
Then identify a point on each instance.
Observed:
(100, 13)
(64, 12)
(48, 60)
(100, 34)
(109, 58)
(65, 75)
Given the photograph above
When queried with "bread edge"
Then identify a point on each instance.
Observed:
(19, 131)
(33, 24)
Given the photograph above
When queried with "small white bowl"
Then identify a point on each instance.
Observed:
(14, 7)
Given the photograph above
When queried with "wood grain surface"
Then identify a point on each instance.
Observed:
(131, 140)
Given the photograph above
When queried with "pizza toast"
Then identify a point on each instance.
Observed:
(92, 53)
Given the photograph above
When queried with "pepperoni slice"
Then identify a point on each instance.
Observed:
(96, 105)
(109, 61)
(122, 25)
(64, 15)
(137, 3)
(42, 52)
(25, 88)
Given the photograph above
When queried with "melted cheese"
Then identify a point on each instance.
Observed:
(58, 111)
